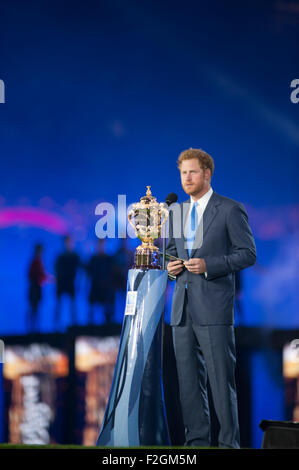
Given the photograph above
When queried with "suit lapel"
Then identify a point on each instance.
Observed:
(185, 207)
(208, 216)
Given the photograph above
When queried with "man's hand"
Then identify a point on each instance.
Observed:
(196, 265)
(175, 267)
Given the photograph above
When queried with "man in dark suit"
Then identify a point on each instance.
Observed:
(214, 239)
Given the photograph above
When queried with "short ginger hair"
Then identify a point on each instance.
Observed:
(205, 160)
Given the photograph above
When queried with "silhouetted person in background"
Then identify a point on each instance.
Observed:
(36, 276)
(123, 261)
(100, 270)
(66, 268)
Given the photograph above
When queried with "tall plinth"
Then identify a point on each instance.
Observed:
(135, 415)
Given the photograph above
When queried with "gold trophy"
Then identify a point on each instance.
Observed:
(147, 218)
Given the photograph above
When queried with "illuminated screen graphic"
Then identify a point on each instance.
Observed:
(291, 378)
(35, 384)
(95, 360)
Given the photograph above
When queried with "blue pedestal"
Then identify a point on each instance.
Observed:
(135, 414)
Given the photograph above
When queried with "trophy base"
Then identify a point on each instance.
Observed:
(147, 258)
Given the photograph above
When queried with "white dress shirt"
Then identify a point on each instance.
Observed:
(200, 208)
(201, 204)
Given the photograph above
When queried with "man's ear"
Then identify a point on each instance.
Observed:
(208, 174)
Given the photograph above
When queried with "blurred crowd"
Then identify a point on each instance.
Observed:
(106, 275)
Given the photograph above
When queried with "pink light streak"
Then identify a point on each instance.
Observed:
(33, 217)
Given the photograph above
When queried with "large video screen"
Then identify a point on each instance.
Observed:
(291, 379)
(35, 380)
(95, 360)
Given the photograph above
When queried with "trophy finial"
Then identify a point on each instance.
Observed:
(148, 192)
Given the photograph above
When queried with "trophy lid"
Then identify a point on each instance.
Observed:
(148, 199)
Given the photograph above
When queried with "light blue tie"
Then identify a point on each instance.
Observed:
(191, 228)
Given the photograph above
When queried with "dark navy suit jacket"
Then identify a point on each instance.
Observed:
(227, 246)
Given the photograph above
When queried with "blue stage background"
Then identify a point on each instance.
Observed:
(102, 96)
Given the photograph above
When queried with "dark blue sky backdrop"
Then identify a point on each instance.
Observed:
(102, 96)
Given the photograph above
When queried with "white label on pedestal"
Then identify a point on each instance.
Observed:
(131, 302)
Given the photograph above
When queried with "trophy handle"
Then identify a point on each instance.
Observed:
(130, 215)
(165, 212)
